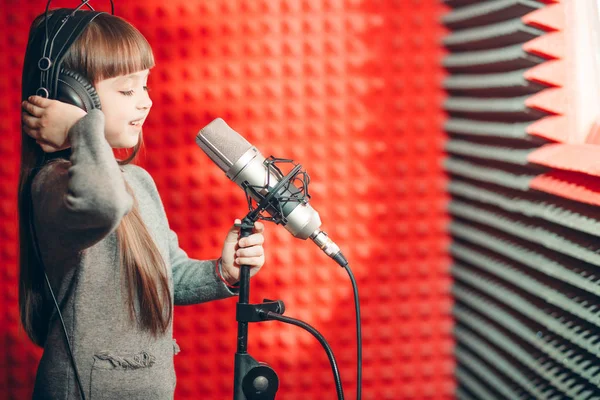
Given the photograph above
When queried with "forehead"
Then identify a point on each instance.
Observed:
(136, 76)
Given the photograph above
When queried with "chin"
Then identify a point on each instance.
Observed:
(123, 144)
(125, 141)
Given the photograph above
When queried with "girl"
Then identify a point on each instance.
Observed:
(111, 260)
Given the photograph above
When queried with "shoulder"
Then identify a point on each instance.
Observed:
(146, 194)
(138, 173)
(140, 176)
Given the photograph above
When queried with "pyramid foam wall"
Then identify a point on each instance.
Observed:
(350, 89)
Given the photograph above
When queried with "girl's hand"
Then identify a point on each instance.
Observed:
(48, 122)
(245, 251)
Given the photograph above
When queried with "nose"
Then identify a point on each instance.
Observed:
(144, 102)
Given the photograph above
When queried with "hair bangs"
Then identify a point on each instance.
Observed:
(109, 47)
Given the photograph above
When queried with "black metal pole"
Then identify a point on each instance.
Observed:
(243, 361)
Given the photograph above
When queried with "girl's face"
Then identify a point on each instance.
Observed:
(125, 104)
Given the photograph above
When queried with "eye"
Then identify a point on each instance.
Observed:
(127, 93)
(146, 88)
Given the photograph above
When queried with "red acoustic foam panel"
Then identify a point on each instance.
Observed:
(551, 73)
(554, 128)
(574, 174)
(570, 185)
(351, 90)
(569, 157)
(551, 45)
(551, 17)
(552, 101)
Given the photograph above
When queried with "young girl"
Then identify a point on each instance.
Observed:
(114, 265)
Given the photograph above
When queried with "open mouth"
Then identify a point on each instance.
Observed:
(137, 123)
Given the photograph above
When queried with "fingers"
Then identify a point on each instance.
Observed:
(32, 109)
(250, 250)
(251, 261)
(30, 121)
(255, 239)
(259, 227)
(252, 240)
(254, 251)
(31, 127)
(234, 231)
(40, 101)
(36, 135)
(36, 118)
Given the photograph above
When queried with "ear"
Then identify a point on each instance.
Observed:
(74, 88)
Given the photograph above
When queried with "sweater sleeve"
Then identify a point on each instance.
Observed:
(194, 281)
(82, 199)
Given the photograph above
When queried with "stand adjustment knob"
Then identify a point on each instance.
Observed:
(260, 383)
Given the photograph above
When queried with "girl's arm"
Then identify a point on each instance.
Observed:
(194, 281)
(82, 200)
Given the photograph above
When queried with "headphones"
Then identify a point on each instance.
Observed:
(43, 74)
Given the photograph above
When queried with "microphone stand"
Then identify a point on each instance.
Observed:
(252, 380)
(255, 380)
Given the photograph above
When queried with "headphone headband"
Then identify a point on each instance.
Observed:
(66, 26)
(49, 44)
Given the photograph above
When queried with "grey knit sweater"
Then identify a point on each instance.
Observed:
(78, 206)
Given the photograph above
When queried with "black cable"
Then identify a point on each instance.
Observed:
(343, 262)
(39, 257)
(319, 337)
(274, 202)
(66, 338)
(358, 335)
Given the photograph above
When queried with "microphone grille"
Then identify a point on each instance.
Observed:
(222, 144)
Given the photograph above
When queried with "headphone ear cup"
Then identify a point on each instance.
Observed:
(75, 89)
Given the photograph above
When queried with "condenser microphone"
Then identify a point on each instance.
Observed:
(249, 169)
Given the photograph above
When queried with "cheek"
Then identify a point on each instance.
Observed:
(113, 105)
(114, 115)
(114, 127)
